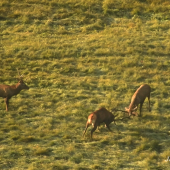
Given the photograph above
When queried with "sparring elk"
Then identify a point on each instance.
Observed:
(7, 91)
(138, 98)
(97, 117)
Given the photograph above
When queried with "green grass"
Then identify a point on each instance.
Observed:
(77, 56)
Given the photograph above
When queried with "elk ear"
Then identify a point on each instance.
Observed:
(135, 108)
(126, 109)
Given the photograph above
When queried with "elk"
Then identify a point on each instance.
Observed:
(7, 91)
(99, 116)
(138, 98)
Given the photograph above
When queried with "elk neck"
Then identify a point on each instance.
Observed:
(16, 88)
(131, 106)
(133, 102)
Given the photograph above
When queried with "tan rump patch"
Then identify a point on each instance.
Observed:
(92, 119)
(89, 120)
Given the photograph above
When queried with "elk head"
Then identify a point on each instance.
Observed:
(21, 83)
(127, 111)
(131, 111)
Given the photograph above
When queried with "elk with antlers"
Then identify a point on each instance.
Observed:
(7, 91)
(97, 117)
(138, 98)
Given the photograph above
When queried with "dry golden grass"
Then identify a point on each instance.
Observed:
(77, 56)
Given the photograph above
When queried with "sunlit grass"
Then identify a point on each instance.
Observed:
(77, 56)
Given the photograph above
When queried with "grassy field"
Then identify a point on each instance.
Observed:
(78, 56)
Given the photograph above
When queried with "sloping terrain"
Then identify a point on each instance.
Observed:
(77, 56)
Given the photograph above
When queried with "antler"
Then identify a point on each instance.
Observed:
(114, 109)
(124, 118)
(20, 76)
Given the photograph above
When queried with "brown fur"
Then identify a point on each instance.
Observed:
(7, 91)
(97, 117)
(138, 98)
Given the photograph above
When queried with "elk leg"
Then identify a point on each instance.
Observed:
(94, 128)
(98, 127)
(87, 125)
(149, 103)
(7, 103)
(141, 104)
(107, 125)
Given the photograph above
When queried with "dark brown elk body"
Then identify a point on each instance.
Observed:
(7, 91)
(97, 117)
(138, 98)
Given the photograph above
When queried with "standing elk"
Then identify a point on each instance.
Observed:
(138, 98)
(98, 117)
(7, 91)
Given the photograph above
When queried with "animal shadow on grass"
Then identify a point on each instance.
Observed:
(102, 131)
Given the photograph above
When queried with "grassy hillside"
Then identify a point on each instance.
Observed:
(77, 56)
